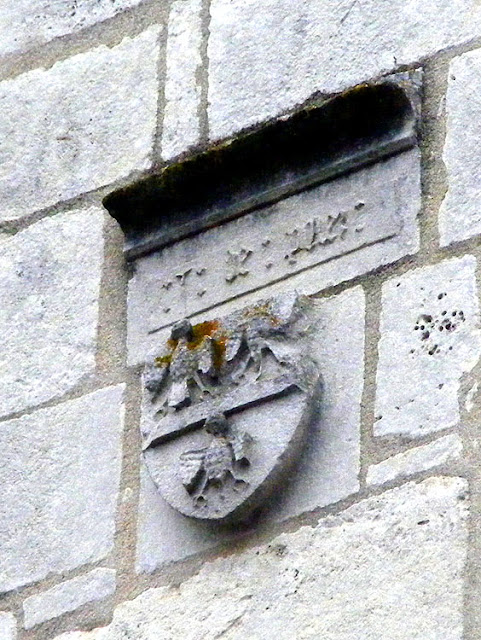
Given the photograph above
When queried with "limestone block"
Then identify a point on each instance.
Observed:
(460, 214)
(8, 626)
(182, 88)
(49, 289)
(59, 475)
(68, 596)
(87, 121)
(472, 397)
(429, 339)
(421, 458)
(267, 58)
(29, 23)
(388, 567)
(328, 470)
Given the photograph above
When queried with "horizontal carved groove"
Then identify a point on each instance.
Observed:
(361, 126)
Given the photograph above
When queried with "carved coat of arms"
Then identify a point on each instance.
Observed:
(227, 408)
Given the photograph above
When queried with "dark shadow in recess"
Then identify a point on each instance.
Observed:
(358, 127)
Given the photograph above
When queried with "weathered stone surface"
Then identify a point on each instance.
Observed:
(182, 88)
(429, 339)
(388, 567)
(267, 58)
(49, 288)
(361, 221)
(421, 458)
(460, 214)
(94, 124)
(472, 397)
(28, 23)
(8, 626)
(224, 420)
(59, 475)
(68, 596)
(329, 467)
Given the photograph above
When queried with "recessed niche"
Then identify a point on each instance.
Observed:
(318, 143)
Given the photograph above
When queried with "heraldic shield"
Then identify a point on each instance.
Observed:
(227, 408)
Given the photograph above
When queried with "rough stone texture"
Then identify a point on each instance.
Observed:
(388, 567)
(49, 288)
(94, 124)
(59, 477)
(471, 397)
(28, 23)
(460, 214)
(68, 596)
(8, 626)
(182, 89)
(328, 470)
(380, 204)
(230, 450)
(415, 460)
(429, 339)
(266, 58)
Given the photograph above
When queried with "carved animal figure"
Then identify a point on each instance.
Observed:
(215, 464)
(186, 365)
(221, 352)
(255, 333)
(181, 368)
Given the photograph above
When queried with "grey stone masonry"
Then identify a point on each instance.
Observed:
(28, 23)
(328, 470)
(49, 288)
(362, 220)
(460, 214)
(265, 58)
(429, 338)
(182, 88)
(68, 596)
(422, 458)
(388, 567)
(8, 626)
(59, 476)
(93, 124)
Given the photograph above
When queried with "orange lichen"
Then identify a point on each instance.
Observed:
(210, 329)
(220, 345)
(163, 361)
(263, 310)
(171, 343)
(202, 331)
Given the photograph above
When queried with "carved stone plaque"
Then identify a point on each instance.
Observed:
(214, 242)
(227, 408)
(318, 237)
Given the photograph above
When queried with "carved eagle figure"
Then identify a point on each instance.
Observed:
(181, 366)
(213, 465)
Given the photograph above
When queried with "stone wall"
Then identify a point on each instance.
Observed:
(380, 536)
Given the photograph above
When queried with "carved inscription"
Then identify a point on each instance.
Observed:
(319, 236)
(284, 251)
(236, 263)
(313, 235)
(320, 232)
